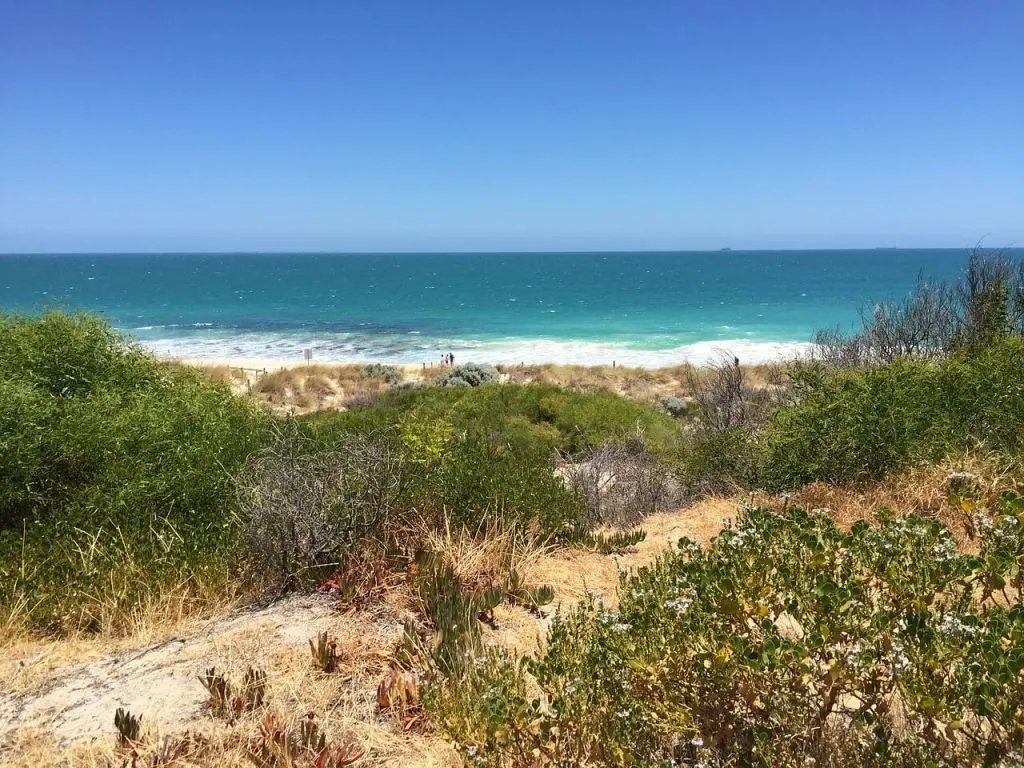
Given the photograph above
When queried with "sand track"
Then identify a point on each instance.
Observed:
(66, 697)
(159, 680)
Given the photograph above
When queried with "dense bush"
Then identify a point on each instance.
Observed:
(861, 423)
(788, 642)
(536, 418)
(477, 480)
(469, 375)
(481, 452)
(326, 485)
(721, 463)
(112, 466)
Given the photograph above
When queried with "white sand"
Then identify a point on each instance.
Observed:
(276, 364)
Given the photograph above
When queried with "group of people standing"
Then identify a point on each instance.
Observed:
(448, 359)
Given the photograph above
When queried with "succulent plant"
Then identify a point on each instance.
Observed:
(614, 543)
(325, 653)
(531, 598)
(228, 702)
(129, 727)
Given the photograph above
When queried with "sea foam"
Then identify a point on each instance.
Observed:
(358, 348)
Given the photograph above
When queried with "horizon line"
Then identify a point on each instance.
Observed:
(448, 252)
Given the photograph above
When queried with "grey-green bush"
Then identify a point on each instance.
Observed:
(676, 406)
(469, 375)
(389, 373)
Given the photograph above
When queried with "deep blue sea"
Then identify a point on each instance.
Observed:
(636, 308)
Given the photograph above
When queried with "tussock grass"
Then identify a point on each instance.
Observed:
(304, 389)
(218, 374)
(484, 557)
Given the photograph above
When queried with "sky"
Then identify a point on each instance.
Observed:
(395, 125)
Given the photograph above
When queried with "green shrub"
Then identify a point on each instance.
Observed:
(788, 642)
(478, 480)
(861, 423)
(115, 470)
(71, 355)
(490, 451)
(532, 417)
(720, 462)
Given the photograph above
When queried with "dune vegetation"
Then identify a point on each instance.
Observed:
(835, 580)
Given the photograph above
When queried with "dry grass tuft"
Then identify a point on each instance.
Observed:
(221, 374)
(484, 558)
(26, 660)
(307, 388)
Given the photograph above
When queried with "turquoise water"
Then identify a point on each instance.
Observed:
(636, 308)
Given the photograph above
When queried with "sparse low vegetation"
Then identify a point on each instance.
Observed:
(819, 628)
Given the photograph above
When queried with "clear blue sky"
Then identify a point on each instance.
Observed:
(378, 125)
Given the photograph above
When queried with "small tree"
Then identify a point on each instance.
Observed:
(937, 318)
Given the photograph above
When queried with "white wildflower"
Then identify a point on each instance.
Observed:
(679, 604)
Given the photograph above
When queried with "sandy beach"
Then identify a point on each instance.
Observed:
(271, 364)
(542, 354)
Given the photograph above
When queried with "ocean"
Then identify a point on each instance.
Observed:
(647, 309)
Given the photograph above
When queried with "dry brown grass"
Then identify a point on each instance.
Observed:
(922, 491)
(221, 374)
(314, 387)
(576, 572)
(483, 558)
(27, 659)
(642, 384)
(430, 373)
(303, 389)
